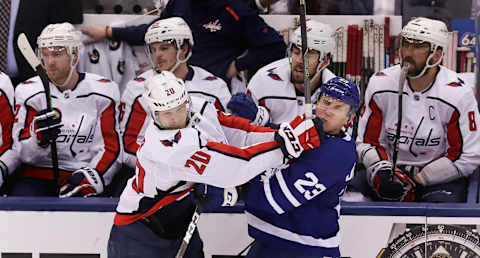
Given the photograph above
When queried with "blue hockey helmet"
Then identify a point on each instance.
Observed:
(343, 90)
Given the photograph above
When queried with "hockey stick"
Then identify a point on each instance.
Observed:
(32, 59)
(403, 77)
(190, 230)
(306, 74)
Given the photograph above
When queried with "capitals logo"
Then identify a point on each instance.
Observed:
(273, 75)
(94, 56)
(457, 84)
(176, 139)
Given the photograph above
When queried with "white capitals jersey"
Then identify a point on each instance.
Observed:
(272, 88)
(111, 59)
(136, 115)
(7, 156)
(441, 121)
(196, 154)
(89, 136)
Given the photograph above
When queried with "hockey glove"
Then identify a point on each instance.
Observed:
(212, 197)
(299, 135)
(47, 126)
(83, 182)
(242, 105)
(399, 187)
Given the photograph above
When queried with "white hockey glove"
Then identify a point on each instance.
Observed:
(299, 135)
(439, 171)
(47, 126)
(83, 182)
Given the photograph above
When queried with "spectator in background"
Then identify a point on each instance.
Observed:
(30, 17)
(6, 123)
(229, 37)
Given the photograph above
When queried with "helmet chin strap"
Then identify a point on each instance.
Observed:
(427, 65)
(178, 62)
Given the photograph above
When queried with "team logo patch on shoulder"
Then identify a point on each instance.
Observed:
(139, 79)
(210, 78)
(273, 75)
(380, 74)
(456, 84)
(104, 80)
(176, 139)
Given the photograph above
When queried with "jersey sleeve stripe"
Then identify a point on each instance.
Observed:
(135, 123)
(242, 153)
(6, 122)
(286, 191)
(110, 139)
(269, 196)
(374, 128)
(25, 131)
(125, 219)
(454, 137)
(240, 123)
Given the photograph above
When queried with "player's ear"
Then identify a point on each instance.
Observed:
(437, 55)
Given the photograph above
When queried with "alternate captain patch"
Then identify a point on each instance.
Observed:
(176, 139)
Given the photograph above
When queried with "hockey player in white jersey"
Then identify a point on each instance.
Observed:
(277, 89)
(439, 142)
(84, 123)
(169, 45)
(188, 141)
(8, 156)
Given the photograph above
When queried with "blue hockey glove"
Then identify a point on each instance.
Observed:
(83, 182)
(47, 126)
(212, 197)
(242, 105)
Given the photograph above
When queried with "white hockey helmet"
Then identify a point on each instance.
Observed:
(60, 35)
(164, 91)
(423, 29)
(174, 28)
(320, 37)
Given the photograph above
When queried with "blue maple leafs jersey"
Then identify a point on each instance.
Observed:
(299, 206)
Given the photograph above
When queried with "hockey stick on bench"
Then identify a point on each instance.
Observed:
(32, 59)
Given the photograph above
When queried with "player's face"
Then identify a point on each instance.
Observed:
(164, 55)
(333, 113)
(57, 63)
(175, 118)
(414, 53)
(297, 63)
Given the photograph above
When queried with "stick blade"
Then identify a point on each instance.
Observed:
(27, 51)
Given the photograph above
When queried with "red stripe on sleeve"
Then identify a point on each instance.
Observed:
(25, 132)
(243, 153)
(123, 219)
(6, 113)
(374, 128)
(454, 137)
(232, 12)
(218, 106)
(134, 126)
(110, 139)
(241, 124)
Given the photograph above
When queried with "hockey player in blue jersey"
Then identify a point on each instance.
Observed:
(293, 211)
